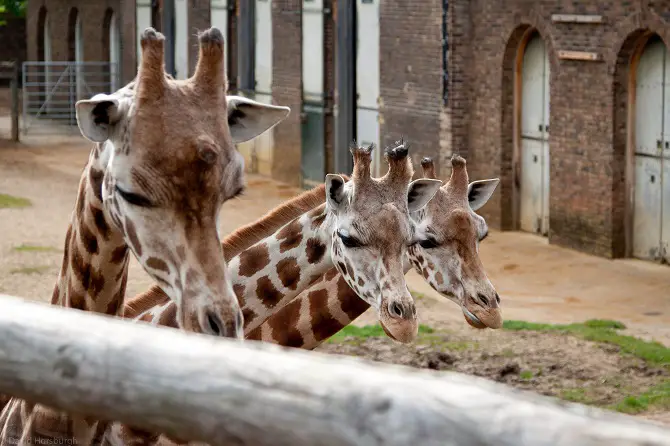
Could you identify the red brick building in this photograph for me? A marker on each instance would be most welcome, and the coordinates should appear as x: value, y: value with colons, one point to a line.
x: 567, y: 102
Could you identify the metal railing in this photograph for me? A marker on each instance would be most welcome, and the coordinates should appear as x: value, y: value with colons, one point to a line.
x: 51, y: 90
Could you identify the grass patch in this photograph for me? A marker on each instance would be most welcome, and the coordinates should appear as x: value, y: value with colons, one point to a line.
x: 605, y: 331
x: 9, y: 201
x: 369, y: 331
x: 34, y: 248
x: 526, y: 375
x: 30, y: 270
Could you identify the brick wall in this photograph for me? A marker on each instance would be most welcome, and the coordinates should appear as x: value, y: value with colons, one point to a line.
x: 587, y: 110
x: 411, y: 75
x: 287, y: 88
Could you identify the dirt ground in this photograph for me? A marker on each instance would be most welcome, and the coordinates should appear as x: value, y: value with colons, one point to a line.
x: 537, y: 282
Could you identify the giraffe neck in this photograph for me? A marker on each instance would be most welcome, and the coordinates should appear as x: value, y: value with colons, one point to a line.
x: 95, y: 260
x: 275, y: 270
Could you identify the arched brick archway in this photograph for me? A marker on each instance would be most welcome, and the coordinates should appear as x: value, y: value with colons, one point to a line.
x: 624, y: 138
x: 111, y: 47
x: 511, y: 116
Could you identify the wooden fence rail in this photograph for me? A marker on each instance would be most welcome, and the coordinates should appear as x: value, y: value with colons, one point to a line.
x: 228, y: 393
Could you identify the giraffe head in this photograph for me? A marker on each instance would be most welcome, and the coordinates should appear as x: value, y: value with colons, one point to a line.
x: 372, y: 231
x: 167, y: 158
x: 447, y: 250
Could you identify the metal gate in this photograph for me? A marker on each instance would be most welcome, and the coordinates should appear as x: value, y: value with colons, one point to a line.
x: 651, y: 225
x: 51, y: 90
x: 534, y: 202
x: 313, y: 160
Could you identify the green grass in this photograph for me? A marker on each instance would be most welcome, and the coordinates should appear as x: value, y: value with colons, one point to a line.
x: 30, y: 270
x: 526, y: 375
x: 369, y: 331
x: 605, y: 331
x: 9, y: 201
x: 34, y: 248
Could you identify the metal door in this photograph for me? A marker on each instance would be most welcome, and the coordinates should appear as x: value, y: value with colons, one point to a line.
x: 651, y: 176
x: 534, y: 194
x: 367, y: 78
x: 181, y: 35
x: 261, y: 155
x: 219, y: 18
x: 313, y: 147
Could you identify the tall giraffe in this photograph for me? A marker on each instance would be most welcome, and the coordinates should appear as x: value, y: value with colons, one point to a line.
x: 448, y: 258
x: 362, y: 231
x: 163, y: 164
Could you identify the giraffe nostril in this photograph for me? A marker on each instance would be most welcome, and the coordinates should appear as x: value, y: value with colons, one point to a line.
x: 395, y: 309
x: 483, y: 299
x: 239, y: 320
x: 497, y: 298
x: 215, y: 325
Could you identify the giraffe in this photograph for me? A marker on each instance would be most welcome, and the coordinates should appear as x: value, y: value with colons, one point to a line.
x: 362, y: 230
x: 448, y: 259
x: 163, y: 163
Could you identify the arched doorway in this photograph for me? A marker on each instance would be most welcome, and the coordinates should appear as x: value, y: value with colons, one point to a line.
x: 651, y: 152
x: 76, y: 55
x: 44, y: 55
x: 533, y: 135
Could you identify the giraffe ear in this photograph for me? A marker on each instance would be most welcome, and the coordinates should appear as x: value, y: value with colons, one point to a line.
x: 96, y: 116
x: 335, y: 193
x: 420, y: 192
x: 480, y: 191
x: 247, y: 119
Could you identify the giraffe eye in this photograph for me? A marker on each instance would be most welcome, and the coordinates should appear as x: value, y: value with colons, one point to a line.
x: 134, y: 199
x: 348, y: 241
x: 428, y: 243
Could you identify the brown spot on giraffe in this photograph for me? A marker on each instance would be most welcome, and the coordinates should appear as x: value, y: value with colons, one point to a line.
x: 323, y: 323
x: 439, y: 279
x: 425, y: 272
x: 95, y: 178
x: 254, y: 259
x: 181, y: 252
x: 100, y: 222
x: 133, y: 240
x: 249, y: 315
x: 361, y: 282
x: 158, y: 264
x: 119, y: 254
x: 76, y: 299
x: 284, y: 330
x: 290, y: 236
x: 330, y: 274
x: 289, y: 273
x: 352, y: 305
x: 318, y: 219
x: 267, y: 293
x: 343, y: 268
x: 239, y: 292
x: 88, y: 239
x: 315, y: 250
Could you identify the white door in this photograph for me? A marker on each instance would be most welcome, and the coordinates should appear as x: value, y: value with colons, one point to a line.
x: 181, y: 35
x: 263, y: 77
x: 651, y: 219
x: 534, y: 194
x: 79, y: 58
x: 219, y: 18
x: 367, y: 79
x: 142, y: 22
x: 114, y: 53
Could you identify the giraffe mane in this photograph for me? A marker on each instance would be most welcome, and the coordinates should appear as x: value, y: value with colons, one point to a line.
x: 241, y: 239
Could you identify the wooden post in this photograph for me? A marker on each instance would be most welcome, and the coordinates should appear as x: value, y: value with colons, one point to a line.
x: 224, y: 392
x: 14, y: 84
